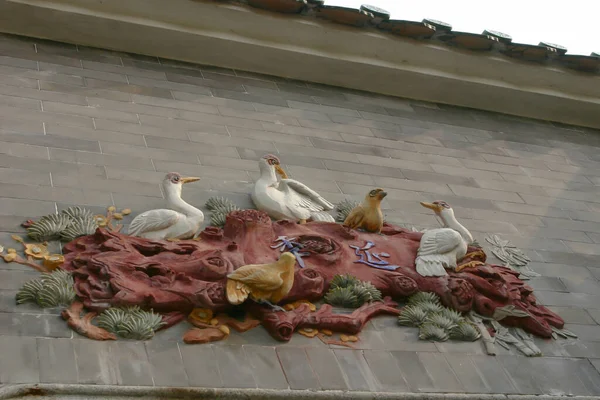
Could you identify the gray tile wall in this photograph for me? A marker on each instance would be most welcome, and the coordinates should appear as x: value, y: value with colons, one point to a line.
x: 92, y: 127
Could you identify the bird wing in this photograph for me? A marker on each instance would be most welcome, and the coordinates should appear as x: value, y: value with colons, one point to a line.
x: 305, y: 197
x: 258, y: 277
x: 354, y: 219
x: 439, y: 241
x: 153, y: 220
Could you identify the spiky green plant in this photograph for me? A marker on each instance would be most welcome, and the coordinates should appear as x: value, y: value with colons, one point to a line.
x: 130, y: 322
x: 439, y: 320
x: 218, y: 219
x: 412, y: 316
x: 364, y: 292
x: 48, y: 227
x: 78, y: 212
x: 361, y: 293
x: 452, y: 315
x: 79, y: 227
x: 216, y: 203
x: 374, y: 293
x: 432, y: 332
x: 344, y: 208
x: 423, y: 297
x: 342, y: 297
x: 219, y: 208
x: 465, y: 331
x: 344, y: 281
x: 29, y: 292
x: 430, y: 308
x: 49, y: 290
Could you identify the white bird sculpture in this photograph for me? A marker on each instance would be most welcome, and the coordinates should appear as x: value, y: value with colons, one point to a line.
x: 287, y: 198
x: 179, y: 221
x: 442, y: 248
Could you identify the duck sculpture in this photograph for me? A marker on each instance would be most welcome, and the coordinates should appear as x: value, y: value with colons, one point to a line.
x: 286, y: 198
x: 441, y: 248
x: 179, y: 220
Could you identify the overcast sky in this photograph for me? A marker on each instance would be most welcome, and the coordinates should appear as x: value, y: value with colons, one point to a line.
x: 569, y: 23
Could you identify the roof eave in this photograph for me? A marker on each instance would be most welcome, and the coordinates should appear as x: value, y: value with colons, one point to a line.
x: 240, y: 37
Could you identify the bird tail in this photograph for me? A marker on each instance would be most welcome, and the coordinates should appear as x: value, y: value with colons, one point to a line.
x: 321, y: 216
x: 430, y: 267
x: 237, y: 292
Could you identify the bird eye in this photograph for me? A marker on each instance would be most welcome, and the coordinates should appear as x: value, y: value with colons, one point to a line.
x: 372, y: 193
x: 176, y: 178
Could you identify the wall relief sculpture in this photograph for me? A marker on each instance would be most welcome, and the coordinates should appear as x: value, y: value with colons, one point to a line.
x: 307, y: 275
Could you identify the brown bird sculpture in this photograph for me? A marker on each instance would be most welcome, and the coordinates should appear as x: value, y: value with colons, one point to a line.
x: 263, y: 283
x: 367, y: 215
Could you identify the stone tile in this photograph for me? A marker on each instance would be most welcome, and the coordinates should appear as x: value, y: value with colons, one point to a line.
x: 574, y: 315
x: 20, y: 102
x: 414, y: 371
x: 233, y: 364
x: 23, y: 150
x: 493, y: 374
x: 19, y: 361
x: 547, y: 283
x: 355, y: 370
x: 394, y: 163
x: 149, y: 152
x: 158, y: 102
x: 331, y: 126
x: 285, y: 149
x: 297, y: 368
x: 78, y: 71
x: 14, y: 175
x: 468, y: 373
x: 26, y: 208
x: 8, y: 124
x: 519, y: 369
x: 51, y: 141
x: 33, y: 324
x: 268, y: 136
x: 122, y: 70
x: 350, y: 188
x: 580, y: 300
x: 291, y: 112
x: 213, y: 101
x: 250, y: 97
x: 385, y: 368
x: 96, y: 362
x: 74, y: 162
x: 90, y: 111
x: 131, y: 88
x: 166, y: 363
x: 46, y: 193
x: 357, y: 168
x: 80, y: 91
x: 266, y: 367
x: 326, y: 368
x: 13, y: 280
x: 300, y: 173
x: 302, y: 131
x: 57, y: 361
x: 132, y: 364
x: 558, y: 376
x: 323, y: 109
x: 582, y: 260
x: 200, y: 367
x: 589, y: 333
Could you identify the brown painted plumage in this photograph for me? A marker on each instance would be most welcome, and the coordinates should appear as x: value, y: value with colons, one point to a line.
x: 270, y: 282
x: 368, y: 215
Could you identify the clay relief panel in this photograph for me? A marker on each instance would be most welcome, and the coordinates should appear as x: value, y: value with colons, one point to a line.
x: 288, y: 266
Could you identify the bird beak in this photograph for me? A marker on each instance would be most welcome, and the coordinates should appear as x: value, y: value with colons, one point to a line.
x: 189, y: 179
x: 280, y: 171
x: 432, y: 206
x: 382, y: 195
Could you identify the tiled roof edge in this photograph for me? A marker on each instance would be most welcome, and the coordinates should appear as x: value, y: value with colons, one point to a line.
x: 372, y: 17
